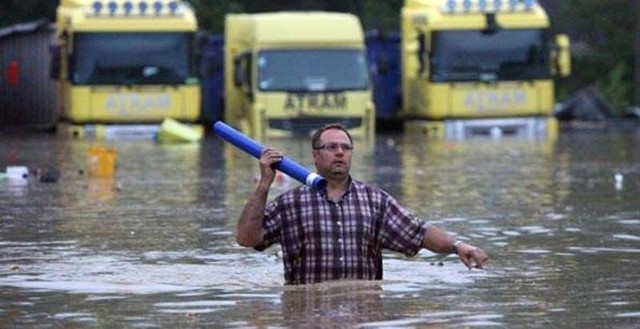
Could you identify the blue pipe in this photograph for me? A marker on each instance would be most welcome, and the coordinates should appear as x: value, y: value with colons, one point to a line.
x: 254, y: 148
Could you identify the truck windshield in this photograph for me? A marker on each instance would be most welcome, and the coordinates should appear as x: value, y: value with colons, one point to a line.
x: 500, y: 56
x: 131, y: 58
x: 312, y: 70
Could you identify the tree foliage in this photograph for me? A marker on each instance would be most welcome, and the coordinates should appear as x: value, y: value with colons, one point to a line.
x: 603, y: 52
x: 601, y: 31
x: 20, y: 11
x: 383, y: 14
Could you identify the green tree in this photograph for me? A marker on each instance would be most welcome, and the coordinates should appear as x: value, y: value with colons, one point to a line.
x: 210, y: 13
x: 373, y: 13
x: 603, y: 42
x: 603, y: 51
x: 20, y: 11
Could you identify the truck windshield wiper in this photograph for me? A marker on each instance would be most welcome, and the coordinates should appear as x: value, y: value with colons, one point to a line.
x: 479, y: 72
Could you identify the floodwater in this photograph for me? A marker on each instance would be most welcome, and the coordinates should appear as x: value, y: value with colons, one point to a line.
x: 153, y: 246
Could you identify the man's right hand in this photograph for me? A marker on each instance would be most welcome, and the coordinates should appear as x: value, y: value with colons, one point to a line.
x: 268, y: 158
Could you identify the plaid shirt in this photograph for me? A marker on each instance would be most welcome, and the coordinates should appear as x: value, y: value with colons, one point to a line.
x: 323, y: 240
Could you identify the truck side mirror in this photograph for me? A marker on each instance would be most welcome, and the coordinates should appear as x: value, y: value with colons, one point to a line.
x: 422, y: 46
x: 55, y: 53
x: 238, y: 75
x: 242, y: 73
x: 562, y: 55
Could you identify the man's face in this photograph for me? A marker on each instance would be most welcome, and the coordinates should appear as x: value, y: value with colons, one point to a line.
x: 333, y: 159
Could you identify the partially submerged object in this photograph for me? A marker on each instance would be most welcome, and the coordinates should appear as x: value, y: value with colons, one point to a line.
x: 172, y: 131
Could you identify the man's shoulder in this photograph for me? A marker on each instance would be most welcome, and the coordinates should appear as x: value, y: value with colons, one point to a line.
x: 367, y: 187
x: 362, y: 184
x: 296, y: 191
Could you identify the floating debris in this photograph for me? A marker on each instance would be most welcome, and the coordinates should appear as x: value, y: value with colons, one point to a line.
x: 619, y: 181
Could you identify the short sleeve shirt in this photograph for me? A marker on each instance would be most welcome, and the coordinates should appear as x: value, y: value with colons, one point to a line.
x: 323, y: 240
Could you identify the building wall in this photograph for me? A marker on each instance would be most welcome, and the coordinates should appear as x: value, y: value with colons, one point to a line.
x: 28, y: 98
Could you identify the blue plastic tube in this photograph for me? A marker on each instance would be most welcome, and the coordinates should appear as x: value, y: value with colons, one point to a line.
x: 254, y: 148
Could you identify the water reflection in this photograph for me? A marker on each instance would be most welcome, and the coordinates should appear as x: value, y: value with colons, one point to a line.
x: 153, y: 245
x: 343, y: 304
x: 480, y: 178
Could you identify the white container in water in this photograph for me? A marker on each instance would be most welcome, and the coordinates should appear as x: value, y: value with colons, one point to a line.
x: 18, y: 175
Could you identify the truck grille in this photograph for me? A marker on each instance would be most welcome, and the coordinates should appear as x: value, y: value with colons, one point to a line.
x: 304, y: 126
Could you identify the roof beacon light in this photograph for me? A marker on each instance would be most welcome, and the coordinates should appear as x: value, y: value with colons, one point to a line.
x: 97, y: 7
x: 497, y: 5
x: 528, y: 4
x: 137, y: 7
x: 482, y: 5
x: 173, y: 7
x: 113, y: 6
x: 157, y: 7
x: 143, y: 6
x: 128, y: 7
x: 513, y: 4
x: 466, y: 4
x: 451, y: 6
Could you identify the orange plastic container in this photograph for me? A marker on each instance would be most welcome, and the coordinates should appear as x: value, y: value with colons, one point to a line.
x: 101, y: 162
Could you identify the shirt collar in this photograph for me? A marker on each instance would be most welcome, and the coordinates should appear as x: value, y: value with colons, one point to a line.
x: 350, y: 188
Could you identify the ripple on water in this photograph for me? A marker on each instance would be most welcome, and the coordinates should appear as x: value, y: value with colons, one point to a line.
x: 120, y: 274
x: 481, y: 324
x: 94, y: 287
x: 436, y: 318
x: 483, y: 317
x: 72, y: 315
x: 511, y: 233
x: 534, y: 251
x: 195, y: 307
x: 103, y: 297
x: 595, y: 250
x: 480, y: 221
x: 536, y: 229
x: 626, y: 237
x: 85, y: 318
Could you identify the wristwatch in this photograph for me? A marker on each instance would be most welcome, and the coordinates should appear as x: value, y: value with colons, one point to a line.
x: 454, y: 249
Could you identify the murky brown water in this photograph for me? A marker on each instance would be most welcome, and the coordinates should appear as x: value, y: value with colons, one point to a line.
x: 154, y: 246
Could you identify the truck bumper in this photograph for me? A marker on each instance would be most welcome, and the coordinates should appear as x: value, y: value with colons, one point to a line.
x: 527, y: 127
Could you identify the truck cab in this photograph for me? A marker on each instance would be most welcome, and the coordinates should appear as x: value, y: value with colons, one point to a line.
x: 480, y: 66
x: 124, y: 62
x: 288, y: 73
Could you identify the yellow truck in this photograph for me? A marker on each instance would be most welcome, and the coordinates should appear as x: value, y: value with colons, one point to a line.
x: 479, y: 67
x: 287, y: 73
x: 126, y: 62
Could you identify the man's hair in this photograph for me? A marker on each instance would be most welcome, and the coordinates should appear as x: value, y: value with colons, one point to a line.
x: 315, y: 138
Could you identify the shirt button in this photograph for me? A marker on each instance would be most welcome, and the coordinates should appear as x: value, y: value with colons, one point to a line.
x: 339, y: 223
x: 342, y: 259
x: 340, y: 240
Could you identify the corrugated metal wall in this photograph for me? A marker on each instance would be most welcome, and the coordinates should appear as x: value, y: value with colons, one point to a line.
x: 28, y: 95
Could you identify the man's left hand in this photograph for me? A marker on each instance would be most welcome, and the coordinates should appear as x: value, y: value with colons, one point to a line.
x: 472, y: 257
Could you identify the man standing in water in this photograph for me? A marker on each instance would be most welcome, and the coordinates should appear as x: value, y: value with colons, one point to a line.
x: 340, y: 232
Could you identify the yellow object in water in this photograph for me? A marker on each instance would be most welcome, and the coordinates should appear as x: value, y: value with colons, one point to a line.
x: 101, y: 162
x: 172, y: 131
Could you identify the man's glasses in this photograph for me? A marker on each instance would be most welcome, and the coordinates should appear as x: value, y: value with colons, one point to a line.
x: 333, y: 147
